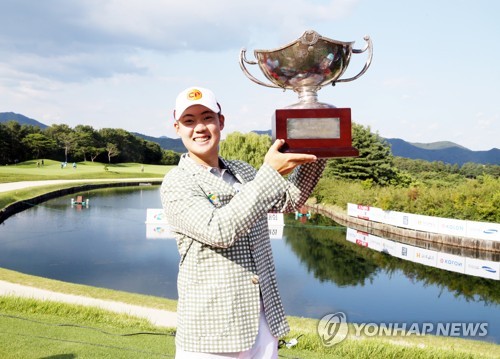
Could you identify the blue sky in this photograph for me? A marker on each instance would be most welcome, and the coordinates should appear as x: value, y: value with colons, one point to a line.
x: 435, y: 73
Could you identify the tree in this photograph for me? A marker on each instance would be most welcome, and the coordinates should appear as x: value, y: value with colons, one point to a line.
x: 152, y: 152
x: 130, y: 146
x: 112, y: 151
x: 170, y: 157
x: 12, y: 137
x: 39, y: 143
x: 64, y: 135
x: 249, y: 147
x: 374, y: 164
x: 87, y: 140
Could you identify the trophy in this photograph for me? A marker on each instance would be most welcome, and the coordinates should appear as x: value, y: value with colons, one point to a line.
x: 305, y: 66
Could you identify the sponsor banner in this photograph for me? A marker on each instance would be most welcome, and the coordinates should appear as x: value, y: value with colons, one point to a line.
x: 158, y: 231
x: 451, y: 262
x: 423, y: 223
x: 405, y: 251
x: 398, y: 219
x: 351, y: 235
x: 374, y: 243
x: 352, y: 210
x: 357, y: 237
x: 275, y: 232
x: 425, y: 256
x: 454, y: 227
x: 389, y: 247
x: 377, y: 214
x: 155, y: 216
x: 363, y: 212
x: 275, y: 219
x: 483, y: 230
x: 482, y: 268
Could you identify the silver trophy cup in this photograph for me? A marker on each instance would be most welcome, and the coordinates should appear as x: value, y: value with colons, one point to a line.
x: 305, y: 66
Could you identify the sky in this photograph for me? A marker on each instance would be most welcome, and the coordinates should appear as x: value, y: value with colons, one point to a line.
x: 435, y: 74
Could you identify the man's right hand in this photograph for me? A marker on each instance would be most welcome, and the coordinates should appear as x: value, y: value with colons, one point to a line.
x: 284, y: 163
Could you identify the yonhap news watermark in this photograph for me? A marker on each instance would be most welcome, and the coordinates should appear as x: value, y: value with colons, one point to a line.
x: 333, y: 329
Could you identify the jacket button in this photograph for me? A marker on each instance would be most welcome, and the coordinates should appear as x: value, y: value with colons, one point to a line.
x: 255, y: 279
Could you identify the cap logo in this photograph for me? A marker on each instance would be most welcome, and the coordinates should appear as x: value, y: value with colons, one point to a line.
x: 194, y: 95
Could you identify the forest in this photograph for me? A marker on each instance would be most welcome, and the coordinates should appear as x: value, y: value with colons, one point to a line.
x: 20, y: 143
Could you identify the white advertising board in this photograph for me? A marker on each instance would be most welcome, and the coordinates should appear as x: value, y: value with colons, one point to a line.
x: 483, y: 230
x: 374, y: 243
x: 405, y: 251
x: 455, y: 227
x: 275, y: 219
x: 425, y: 256
x: 155, y: 216
x: 482, y: 268
x: 158, y: 231
x: 275, y: 232
x: 451, y: 262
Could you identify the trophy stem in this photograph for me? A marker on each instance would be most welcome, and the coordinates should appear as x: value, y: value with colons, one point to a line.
x: 308, y: 94
x: 308, y: 98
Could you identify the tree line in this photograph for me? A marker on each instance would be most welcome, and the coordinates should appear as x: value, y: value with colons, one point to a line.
x: 19, y: 143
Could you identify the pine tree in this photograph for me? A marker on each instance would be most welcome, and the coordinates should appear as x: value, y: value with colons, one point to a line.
x: 374, y: 164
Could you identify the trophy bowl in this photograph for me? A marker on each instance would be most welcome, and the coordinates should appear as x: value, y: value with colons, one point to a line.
x: 301, y: 64
x: 305, y: 66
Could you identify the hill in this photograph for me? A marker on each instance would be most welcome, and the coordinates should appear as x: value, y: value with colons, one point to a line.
x: 167, y: 143
x: 447, y: 152
x: 21, y: 119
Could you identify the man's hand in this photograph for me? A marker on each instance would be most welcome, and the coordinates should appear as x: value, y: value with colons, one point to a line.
x: 284, y: 163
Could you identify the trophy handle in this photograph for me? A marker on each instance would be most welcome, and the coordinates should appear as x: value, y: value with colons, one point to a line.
x: 243, y: 59
x: 368, y: 47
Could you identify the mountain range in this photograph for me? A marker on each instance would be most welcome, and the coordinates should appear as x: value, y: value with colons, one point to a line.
x: 444, y: 151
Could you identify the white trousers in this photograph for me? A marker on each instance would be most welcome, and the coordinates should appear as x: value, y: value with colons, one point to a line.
x: 265, y: 346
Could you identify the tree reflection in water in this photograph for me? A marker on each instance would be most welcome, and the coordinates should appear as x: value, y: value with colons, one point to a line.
x: 320, y: 243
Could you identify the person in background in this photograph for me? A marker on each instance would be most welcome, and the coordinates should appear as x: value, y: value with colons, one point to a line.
x: 229, y: 305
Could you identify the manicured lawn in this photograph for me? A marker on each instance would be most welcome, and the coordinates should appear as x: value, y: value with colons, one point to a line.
x: 29, y: 171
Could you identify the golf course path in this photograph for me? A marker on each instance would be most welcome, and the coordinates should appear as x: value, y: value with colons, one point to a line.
x: 158, y: 317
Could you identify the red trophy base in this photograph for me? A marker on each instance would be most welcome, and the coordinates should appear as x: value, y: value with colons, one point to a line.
x: 324, y: 132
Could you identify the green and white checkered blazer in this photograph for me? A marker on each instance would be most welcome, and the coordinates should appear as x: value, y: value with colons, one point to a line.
x: 226, y: 261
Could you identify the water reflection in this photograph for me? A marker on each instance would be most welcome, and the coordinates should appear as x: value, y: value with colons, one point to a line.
x: 363, y: 256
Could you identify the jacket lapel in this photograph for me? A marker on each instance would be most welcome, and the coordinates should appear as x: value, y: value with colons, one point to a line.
x: 214, y: 187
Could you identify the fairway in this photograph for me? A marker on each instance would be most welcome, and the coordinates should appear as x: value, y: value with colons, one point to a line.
x: 33, y: 171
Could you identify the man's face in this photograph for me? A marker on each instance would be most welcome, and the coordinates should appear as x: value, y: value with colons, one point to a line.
x: 199, y: 128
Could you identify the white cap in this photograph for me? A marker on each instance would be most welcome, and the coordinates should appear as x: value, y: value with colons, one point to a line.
x: 195, y: 96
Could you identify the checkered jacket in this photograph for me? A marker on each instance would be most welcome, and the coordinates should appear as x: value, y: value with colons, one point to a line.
x: 226, y: 261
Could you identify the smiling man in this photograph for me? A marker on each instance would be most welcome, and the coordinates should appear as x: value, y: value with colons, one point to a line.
x: 229, y: 305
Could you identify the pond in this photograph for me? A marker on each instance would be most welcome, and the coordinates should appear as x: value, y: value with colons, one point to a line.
x: 320, y: 271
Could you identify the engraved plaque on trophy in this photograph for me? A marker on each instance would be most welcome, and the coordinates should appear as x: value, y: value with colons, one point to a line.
x: 305, y: 66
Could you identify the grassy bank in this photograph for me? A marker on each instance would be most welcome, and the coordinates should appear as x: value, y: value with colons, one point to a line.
x: 31, y: 327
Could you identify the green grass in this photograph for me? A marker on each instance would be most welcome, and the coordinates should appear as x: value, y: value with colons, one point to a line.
x: 42, y: 329
x: 36, y: 329
x: 22, y: 338
x: 28, y: 171
x: 87, y: 291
